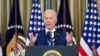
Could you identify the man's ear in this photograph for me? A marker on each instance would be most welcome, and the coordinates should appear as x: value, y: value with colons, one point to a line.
x: 56, y: 21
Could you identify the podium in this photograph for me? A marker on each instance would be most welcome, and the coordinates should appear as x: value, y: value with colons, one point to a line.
x: 51, y: 51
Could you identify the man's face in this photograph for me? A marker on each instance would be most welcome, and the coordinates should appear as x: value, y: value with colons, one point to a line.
x: 49, y: 20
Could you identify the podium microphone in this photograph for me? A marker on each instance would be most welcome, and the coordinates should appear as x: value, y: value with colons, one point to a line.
x: 52, y: 40
x: 55, y: 35
x: 48, y: 35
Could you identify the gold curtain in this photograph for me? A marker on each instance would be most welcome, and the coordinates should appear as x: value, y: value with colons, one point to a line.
x: 77, y: 10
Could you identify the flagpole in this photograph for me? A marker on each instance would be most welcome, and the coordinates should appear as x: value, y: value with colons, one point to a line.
x: 93, y: 19
x: 16, y: 2
x: 36, y: 19
x: 94, y: 51
x: 64, y: 17
x: 15, y: 18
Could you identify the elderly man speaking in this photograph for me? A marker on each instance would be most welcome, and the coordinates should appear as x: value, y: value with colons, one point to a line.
x: 50, y: 36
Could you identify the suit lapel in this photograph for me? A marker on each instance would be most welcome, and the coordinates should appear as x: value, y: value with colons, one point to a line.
x: 44, y: 38
x: 57, y: 40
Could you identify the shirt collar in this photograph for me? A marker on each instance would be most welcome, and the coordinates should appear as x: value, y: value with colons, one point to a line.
x: 53, y: 30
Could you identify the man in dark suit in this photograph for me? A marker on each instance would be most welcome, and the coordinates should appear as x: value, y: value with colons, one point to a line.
x: 43, y: 37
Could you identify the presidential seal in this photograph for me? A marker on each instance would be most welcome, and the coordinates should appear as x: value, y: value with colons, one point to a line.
x: 52, y: 53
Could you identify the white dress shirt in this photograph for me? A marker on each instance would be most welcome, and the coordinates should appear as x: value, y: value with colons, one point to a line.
x: 53, y: 30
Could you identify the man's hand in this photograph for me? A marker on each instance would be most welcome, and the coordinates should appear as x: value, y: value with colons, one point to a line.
x: 33, y: 39
x: 69, y: 37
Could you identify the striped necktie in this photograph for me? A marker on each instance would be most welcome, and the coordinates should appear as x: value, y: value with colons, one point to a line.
x: 50, y: 42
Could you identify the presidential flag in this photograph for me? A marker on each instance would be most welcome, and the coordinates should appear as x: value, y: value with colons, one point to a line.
x: 90, y: 39
x: 13, y: 30
x: 64, y: 19
x: 0, y: 45
x: 35, y: 23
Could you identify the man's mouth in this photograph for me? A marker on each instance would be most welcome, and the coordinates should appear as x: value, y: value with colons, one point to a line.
x: 48, y: 24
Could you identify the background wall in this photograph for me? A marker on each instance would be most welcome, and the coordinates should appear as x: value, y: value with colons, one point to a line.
x: 77, y: 10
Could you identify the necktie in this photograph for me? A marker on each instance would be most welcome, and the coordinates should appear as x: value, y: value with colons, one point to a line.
x: 50, y: 42
x: 51, y: 35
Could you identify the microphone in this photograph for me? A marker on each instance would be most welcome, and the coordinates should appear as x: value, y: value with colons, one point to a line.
x: 52, y: 40
x: 48, y: 35
x: 55, y: 35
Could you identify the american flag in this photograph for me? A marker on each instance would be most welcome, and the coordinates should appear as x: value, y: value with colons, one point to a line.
x: 90, y: 40
x: 35, y: 23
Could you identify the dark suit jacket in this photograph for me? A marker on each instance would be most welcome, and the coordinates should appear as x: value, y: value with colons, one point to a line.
x: 42, y: 40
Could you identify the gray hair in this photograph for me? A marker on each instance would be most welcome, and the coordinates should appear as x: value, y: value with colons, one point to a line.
x: 51, y: 10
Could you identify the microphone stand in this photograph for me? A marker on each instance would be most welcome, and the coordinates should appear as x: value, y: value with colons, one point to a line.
x: 55, y: 37
x: 53, y: 41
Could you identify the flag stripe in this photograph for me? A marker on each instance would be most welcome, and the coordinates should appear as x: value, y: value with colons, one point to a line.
x: 0, y: 51
x: 98, y: 51
x: 85, y: 47
x: 82, y: 51
x: 0, y: 45
x: 80, y: 54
